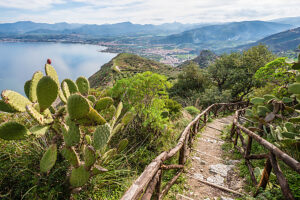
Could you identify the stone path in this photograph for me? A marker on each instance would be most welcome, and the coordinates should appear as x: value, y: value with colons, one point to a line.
x: 209, y: 164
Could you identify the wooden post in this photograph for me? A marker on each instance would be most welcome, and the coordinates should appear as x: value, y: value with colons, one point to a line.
x: 182, y: 153
x: 232, y: 131
x: 157, y: 187
x: 236, y: 137
x: 281, y: 179
x: 247, y: 153
x: 265, y: 176
x: 152, y: 186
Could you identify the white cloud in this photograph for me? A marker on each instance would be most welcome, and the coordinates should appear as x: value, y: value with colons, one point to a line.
x: 151, y: 11
x: 29, y: 4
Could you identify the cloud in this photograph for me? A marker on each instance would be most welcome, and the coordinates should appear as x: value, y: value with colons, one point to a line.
x: 146, y: 11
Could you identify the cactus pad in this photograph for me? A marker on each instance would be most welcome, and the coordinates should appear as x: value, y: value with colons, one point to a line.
x: 127, y: 118
x: 96, y: 117
x: 39, y: 130
x: 15, y: 100
x: 83, y: 85
x: 78, y: 106
x: 32, y: 90
x: 257, y: 100
x: 35, y: 114
x: 89, y: 157
x: 122, y: 145
x: 65, y: 89
x: 27, y: 86
x: 79, y: 176
x: 101, y: 136
x: 72, y: 136
x: 294, y: 88
x: 4, y: 107
x: 117, y: 128
x: 88, y: 139
x: 13, y: 131
x: 49, y: 158
x: 108, y: 113
x: 72, y: 86
x: 103, y: 103
x: 50, y: 71
x: 70, y: 155
x: 47, y: 91
x: 262, y: 111
x: 92, y: 98
x: 268, y: 97
x: 62, y: 96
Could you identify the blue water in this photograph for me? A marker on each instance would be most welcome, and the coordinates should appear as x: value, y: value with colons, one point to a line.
x: 18, y: 61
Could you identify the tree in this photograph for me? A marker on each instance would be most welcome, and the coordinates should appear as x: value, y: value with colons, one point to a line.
x: 235, y: 71
x: 190, y: 82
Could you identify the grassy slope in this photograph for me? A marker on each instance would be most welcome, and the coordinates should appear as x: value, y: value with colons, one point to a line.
x: 129, y: 64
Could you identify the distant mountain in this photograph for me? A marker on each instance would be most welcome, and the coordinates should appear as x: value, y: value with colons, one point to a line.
x: 237, y: 31
x: 205, y: 58
x: 28, y: 26
x: 295, y: 21
x: 283, y: 41
x: 126, y: 65
x: 104, y: 30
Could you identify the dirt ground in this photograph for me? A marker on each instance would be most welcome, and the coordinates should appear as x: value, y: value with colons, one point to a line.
x: 208, y: 164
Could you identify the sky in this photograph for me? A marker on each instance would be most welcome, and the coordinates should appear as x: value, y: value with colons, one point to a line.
x: 145, y: 11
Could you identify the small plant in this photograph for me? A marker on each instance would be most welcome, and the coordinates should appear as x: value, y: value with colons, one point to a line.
x: 192, y: 110
x: 79, y: 127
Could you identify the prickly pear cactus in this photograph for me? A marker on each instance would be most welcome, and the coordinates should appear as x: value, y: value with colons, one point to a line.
x: 75, y: 128
x: 278, y: 118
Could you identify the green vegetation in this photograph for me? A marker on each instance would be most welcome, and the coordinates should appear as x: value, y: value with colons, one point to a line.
x: 229, y: 78
x: 73, y: 132
x: 127, y: 65
x: 67, y: 140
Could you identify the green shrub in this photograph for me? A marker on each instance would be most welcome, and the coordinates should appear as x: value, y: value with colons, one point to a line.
x: 192, y: 110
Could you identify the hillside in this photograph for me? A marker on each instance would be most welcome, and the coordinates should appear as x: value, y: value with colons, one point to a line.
x: 205, y: 58
x: 125, y: 65
x: 236, y: 31
x: 283, y: 41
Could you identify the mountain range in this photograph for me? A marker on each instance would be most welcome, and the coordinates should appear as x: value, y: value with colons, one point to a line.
x: 283, y: 41
x: 279, y: 34
x: 237, y: 31
x: 104, y: 30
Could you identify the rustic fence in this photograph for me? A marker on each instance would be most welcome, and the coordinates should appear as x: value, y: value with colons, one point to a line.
x: 271, y: 157
x: 148, y: 184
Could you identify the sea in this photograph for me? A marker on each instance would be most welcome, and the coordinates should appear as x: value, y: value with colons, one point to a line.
x: 19, y: 60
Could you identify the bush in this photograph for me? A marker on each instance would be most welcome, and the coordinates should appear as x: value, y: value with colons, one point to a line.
x: 173, y: 107
x: 192, y: 110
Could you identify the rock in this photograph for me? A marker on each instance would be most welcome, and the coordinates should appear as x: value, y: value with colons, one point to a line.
x: 198, y: 176
x: 220, y: 169
x: 226, y: 198
x: 202, y: 162
x: 201, y: 170
x: 233, y: 162
x: 217, y: 179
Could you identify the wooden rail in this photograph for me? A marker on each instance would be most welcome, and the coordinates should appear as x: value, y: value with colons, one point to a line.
x: 148, y: 184
x: 271, y: 158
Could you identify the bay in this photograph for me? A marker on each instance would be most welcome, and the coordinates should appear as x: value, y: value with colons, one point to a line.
x: 18, y: 61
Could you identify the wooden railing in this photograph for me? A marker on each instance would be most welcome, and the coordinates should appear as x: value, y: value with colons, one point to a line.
x: 271, y: 157
x: 148, y: 184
